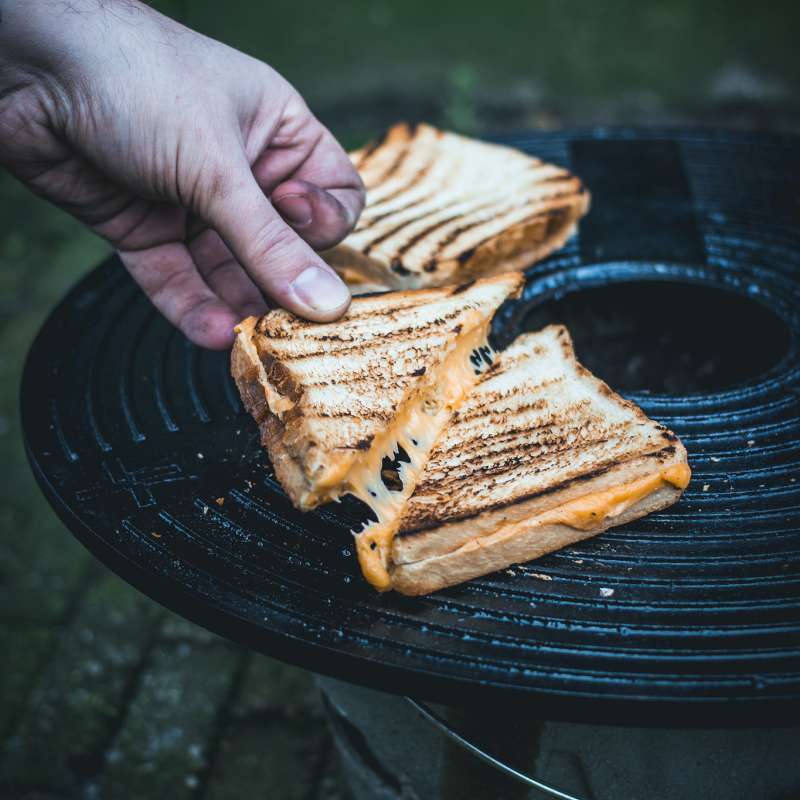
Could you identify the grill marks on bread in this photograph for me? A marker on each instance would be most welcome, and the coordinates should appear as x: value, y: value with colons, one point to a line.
x: 435, y: 199
x: 348, y: 379
x: 536, y: 422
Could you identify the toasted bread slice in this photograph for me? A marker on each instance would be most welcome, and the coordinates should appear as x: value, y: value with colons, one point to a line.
x: 541, y: 454
x: 443, y: 208
x: 334, y: 400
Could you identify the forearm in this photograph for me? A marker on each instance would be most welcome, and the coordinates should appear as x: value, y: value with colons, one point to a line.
x: 61, y: 41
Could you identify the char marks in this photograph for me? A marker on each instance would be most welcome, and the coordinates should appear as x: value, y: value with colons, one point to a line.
x: 397, y: 164
x: 535, y: 422
x: 434, y: 199
x: 344, y: 382
x: 413, y: 182
x: 457, y: 227
x: 412, y: 336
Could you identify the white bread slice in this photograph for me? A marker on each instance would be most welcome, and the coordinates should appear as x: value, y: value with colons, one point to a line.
x: 334, y: 400
x: 443, y: 208
x: 540, y: 455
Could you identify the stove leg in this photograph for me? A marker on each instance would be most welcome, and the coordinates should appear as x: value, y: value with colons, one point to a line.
x: 385, y: 753
x: 394, y: 749
x: 463, y: 775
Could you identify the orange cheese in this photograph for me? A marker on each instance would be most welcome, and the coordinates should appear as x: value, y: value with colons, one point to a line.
x: 588, y: 511
x: 592, y: 509
x: 415, y: 429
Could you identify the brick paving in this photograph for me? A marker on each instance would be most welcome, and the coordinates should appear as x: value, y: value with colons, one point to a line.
x: 103, y: 693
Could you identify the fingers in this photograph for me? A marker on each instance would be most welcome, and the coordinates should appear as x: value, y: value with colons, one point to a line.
x: 274, y: 256
x: 317, y: 215
x: 324, y: 196
x: 224, y: 275
x: 168, y: 276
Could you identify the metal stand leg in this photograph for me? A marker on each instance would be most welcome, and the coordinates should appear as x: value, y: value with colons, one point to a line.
x: 472, y: 771
x: 466, y: 772
x: 401, y: 749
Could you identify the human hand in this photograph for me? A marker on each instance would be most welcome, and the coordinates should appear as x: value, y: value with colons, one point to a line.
x: 202, y: 166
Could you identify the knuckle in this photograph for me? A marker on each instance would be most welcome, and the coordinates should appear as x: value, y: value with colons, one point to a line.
x: 220, y: 272
x: 167, y: 283
x: 211, y: 186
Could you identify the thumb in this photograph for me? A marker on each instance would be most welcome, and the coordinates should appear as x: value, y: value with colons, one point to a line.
x: 274, y: 256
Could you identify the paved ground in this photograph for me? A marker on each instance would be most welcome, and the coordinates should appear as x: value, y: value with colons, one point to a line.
x: 104, y: 694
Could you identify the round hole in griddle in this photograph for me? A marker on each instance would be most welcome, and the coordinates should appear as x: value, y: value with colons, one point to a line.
x: 668, y: 338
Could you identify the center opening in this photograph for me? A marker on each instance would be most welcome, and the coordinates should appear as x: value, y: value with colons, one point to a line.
x: 667, y: 338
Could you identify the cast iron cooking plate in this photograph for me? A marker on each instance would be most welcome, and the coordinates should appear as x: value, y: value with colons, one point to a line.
x: 140, y: 443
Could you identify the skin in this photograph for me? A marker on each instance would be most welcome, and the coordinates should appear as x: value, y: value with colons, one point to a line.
x: 202, y: 166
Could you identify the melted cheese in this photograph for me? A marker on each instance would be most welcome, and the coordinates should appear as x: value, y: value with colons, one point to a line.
x: 593, y: 509
x: 586, y: 512
x: 415, y: 429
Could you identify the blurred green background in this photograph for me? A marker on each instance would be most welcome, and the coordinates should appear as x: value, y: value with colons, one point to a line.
x: 510, y: 63
x: 102, y: 694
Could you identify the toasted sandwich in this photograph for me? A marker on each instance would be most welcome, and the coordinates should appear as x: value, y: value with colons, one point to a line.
x: 540, y: 455
x: 337, y: 402
x: 443, y: 209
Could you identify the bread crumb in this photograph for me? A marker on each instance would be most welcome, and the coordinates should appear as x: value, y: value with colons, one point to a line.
x: 155, y: 535
x: 715, y: 459
x: 205, y: 509
x: 751, y: 442
x: 540, y: 576
x: 606, y: 592
x: 200, y: 455
x: 220, y: 501
x: 706, y: 487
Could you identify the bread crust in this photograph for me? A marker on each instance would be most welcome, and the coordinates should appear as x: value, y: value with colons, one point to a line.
x: 250, y: 377
x: 436, y: 572
x: 415, y: 545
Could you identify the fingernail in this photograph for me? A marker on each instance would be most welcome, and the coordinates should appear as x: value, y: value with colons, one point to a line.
x: 320, y: 289
x: 295, y: 208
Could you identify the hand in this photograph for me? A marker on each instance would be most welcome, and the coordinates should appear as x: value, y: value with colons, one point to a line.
x: 202, y: 166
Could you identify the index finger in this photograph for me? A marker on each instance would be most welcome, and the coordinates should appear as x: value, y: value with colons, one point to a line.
x: 309, y: 153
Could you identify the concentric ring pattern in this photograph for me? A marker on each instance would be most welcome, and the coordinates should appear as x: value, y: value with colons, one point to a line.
x: 140, y: 443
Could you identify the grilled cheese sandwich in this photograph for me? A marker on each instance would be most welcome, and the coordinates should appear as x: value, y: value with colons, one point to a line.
x: 540, y: 455
x: 443, y: 209
x: 334, y: 401
x: 470, y: 460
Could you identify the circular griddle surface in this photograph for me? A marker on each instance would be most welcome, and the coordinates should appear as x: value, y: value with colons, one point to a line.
x: 691, y: 615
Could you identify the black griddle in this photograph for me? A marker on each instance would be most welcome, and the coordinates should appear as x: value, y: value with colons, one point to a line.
x: 689, y: 262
